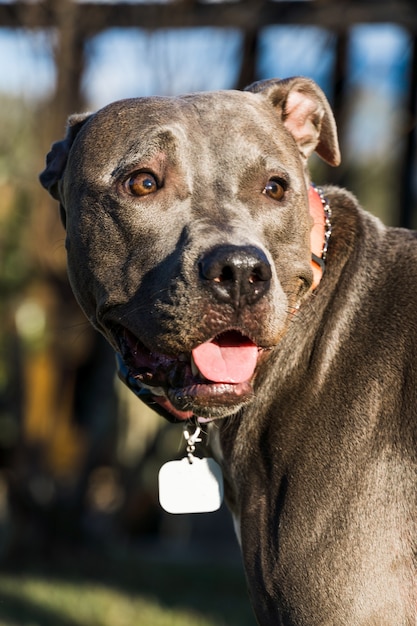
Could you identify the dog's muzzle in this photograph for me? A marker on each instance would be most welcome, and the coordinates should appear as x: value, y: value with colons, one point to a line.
x: 216, y: 380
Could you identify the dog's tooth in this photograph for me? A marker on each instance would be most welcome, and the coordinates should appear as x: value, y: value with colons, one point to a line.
x: 196, y: 372
x: 194, y: 368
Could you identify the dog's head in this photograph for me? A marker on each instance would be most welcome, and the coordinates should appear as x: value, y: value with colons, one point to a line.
x: 188, y: 233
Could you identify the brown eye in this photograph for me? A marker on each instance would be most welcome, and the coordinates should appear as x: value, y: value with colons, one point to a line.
x: 274, y: 189
x: 141, y: 184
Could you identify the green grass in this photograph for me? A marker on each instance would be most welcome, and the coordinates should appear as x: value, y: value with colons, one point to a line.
x: 34, y: 601
x: 102, y: 592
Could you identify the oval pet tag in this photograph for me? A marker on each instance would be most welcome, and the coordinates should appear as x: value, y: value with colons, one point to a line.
x: 194, y: 486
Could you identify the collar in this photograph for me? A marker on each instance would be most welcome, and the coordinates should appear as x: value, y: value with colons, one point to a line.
x: 320, y: 232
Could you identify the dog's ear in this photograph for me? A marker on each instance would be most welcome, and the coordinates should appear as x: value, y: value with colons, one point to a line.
x: 56, y: 160
x: 306, y: 113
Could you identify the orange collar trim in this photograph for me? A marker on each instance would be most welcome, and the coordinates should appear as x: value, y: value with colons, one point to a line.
x: 320, y: 232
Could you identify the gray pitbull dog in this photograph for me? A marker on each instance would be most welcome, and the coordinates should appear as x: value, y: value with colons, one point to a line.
x: 190, y: 231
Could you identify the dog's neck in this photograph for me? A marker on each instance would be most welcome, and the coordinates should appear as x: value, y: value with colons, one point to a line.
x: 320, y: 232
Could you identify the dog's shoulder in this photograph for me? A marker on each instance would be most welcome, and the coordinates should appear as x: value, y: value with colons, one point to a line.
x: 360, y: 238
x: 370, y: 281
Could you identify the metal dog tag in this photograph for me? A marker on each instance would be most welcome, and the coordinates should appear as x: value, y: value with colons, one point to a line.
x: 191, y: 487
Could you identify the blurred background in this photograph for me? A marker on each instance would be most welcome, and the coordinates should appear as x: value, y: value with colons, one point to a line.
x: 83, y: 540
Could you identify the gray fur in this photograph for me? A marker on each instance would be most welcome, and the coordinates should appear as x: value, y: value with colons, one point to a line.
x: 320, y: 459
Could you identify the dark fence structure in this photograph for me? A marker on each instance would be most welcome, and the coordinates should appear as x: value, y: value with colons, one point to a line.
x: 76, y: 23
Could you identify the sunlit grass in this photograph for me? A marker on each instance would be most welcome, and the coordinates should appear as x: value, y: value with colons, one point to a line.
x: 132, y: 592
x: 40, y: 602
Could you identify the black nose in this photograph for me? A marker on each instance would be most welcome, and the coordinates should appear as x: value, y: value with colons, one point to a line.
x: 237, y: 275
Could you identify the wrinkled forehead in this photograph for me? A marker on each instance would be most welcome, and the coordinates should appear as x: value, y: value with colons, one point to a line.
x: 210, y: 109
x: 235, y: 123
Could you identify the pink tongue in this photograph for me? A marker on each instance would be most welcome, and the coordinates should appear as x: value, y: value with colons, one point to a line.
x: 226, y: 361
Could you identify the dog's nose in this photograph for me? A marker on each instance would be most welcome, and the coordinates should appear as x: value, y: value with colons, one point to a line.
x: 237, y: 275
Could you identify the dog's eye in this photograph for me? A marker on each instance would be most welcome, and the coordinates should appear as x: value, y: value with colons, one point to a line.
x: 274, y: 189
x: 141, y: 184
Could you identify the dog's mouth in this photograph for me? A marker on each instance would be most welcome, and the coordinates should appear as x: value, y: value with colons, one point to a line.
x: 215, y: 380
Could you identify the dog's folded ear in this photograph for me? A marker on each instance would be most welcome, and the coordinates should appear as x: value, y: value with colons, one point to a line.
x: 306, y: 113
x: 56, y: 160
